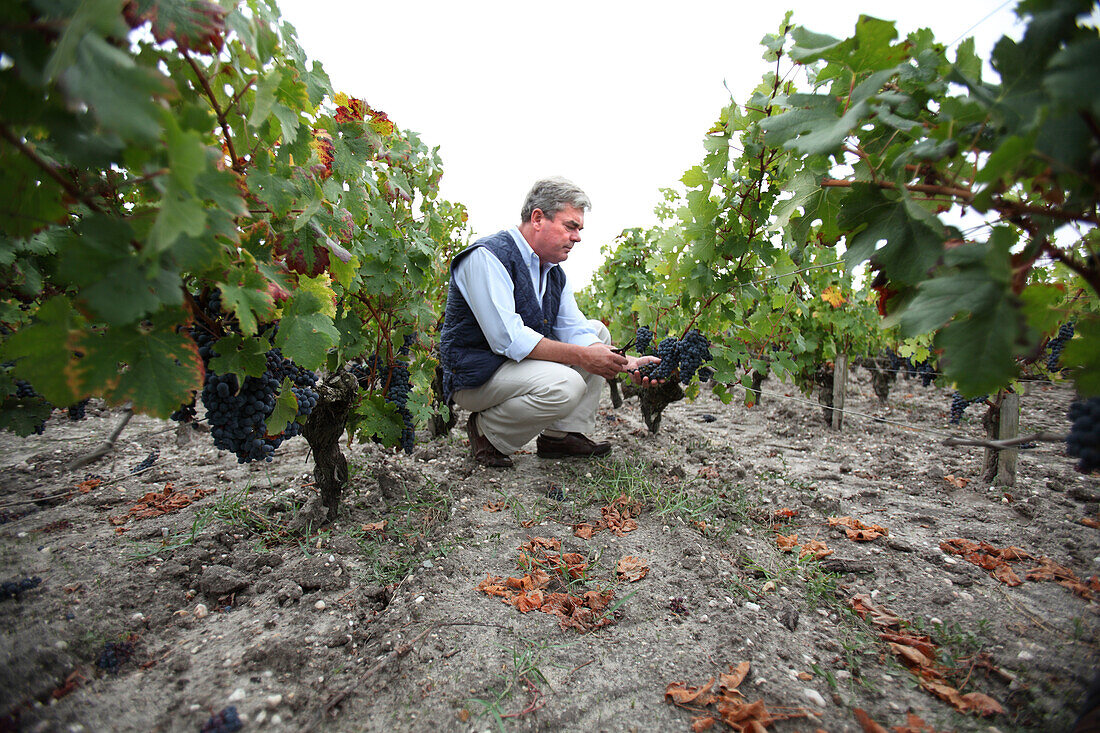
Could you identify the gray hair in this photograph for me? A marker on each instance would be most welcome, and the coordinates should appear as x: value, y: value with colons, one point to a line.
x: 551, y: 195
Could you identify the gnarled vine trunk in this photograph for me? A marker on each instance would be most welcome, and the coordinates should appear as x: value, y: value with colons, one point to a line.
x: 336, y: 394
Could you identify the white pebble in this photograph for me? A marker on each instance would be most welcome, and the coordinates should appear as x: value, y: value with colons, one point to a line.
x: 704, y: 619
x: 261, y: 716
x: 752, y: 606
x: 935, y: 621
x: 201, y: 611
x: 238, y: 695
x: 139, y: 616
x: 319, y: 605
x: 1025, y: 655
x: 419, y: 599
x: 813, y: 696
x: 273, y: 701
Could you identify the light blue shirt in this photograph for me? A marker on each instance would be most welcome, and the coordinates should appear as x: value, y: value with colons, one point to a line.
x: 490, y: 293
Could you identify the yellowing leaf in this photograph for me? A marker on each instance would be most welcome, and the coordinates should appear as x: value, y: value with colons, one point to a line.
x: 833, y: 296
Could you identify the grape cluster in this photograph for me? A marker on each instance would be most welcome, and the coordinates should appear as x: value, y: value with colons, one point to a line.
x: 959, y: 405
x: 368, y: 372
x: 1058, y: 343
x: 79, y: 410
x: 398, y: 388
x: 227, y: 721
x: 925, y: 370
x: 1083, y: 441
x: 185, y: 413
x: 238, y: 412
x: 146, y: 462
x: 686, y: 355
x: 114, y: 655
x: 15, y: 588
x: 642, y: 339
x: 694, y: 350
x: 24, y: 391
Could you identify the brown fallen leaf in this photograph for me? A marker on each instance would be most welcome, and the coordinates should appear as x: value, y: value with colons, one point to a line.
x: 815, y: 549
x: 632, y: 568
x: 785, y: 513
x: 1090, y: 522
x: 729, y: 681
x: 956, y: 481
x: 374, y: 527
x: 857, y: 530
x: 702, y: 723
x: 786, y: 543
x: 585, y: 530
x: 494, y: 506
x: 681, y: 694
x: 867, y: 723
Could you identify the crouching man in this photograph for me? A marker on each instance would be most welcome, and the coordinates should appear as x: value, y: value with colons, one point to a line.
x: 516, y: 351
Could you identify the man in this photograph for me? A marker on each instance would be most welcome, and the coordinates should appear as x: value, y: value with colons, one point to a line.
x: 516, y: 351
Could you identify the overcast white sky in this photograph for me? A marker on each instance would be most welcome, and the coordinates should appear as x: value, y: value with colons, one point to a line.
x: 613, y: 95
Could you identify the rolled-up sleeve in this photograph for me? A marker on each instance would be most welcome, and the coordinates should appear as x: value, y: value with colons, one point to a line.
x: 571, y: 326
x: 488, y: 290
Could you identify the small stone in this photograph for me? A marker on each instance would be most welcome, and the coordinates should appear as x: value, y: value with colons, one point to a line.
x: 238, y: 695
x: 273, y: 701
x: 752, y: 606
x: 704, y: 619
x: 319, y: 605
x: 1025, y: 655
x: 813, y: 696
x: 419, y: 599
x: 201, y: 611
x: 139, y: 616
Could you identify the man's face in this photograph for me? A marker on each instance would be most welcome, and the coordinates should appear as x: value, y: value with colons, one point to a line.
x: 554, y: 238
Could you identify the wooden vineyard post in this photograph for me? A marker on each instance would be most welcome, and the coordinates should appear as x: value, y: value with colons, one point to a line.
x: 1000, y: 463
x: 840, y: 384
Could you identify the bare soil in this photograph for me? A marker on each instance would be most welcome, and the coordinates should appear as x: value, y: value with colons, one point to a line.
x: 235, y: 599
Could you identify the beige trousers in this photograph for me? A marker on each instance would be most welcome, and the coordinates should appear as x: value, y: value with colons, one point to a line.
x: 522, y: 399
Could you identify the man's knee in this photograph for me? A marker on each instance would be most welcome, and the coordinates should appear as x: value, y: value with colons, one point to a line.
x: 601, y: 330
x: 561, y: 392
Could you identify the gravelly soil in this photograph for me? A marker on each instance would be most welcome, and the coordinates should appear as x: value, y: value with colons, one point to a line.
x: 351, y: 628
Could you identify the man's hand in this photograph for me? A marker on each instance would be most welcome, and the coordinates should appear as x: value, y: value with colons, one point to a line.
x: 603, y: 360
x: 632, y: 365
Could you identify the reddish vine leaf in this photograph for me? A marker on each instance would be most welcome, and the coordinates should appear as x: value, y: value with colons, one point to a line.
x: 194, y: 25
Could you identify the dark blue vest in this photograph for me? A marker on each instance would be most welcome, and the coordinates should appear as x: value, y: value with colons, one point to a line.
x: 464, y: 352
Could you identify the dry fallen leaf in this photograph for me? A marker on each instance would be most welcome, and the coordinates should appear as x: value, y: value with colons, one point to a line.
x: 632, y: 568
x: 786, y: 543
x: 957, y: 481
x: 857, y: 530
x: 494, y: 506
x: 815, y: 549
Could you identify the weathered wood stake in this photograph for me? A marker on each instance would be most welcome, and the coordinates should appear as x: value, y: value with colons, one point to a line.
x: 840, y: 385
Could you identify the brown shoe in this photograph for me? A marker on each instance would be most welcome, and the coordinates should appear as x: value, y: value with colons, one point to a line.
x: 484, y: 452
x: 571, y: 445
